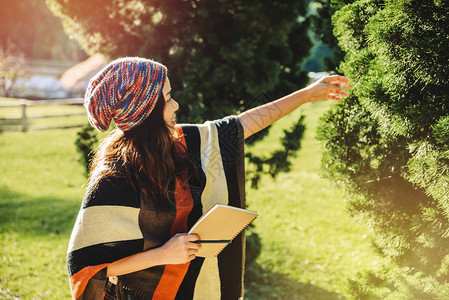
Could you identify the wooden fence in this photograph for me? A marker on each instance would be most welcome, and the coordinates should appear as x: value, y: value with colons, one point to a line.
x: 24, y: 118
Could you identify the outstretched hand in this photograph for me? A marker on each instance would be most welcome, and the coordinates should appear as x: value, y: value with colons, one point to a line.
x: 329, y: 87
x: 259, y: 117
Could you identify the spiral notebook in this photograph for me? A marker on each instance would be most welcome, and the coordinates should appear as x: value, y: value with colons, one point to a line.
x: 219, y: 226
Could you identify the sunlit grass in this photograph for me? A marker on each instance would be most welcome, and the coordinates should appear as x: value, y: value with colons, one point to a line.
x: 40, y: 193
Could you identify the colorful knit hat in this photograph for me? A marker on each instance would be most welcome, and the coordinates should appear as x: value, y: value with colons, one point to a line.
x: 125, y: 91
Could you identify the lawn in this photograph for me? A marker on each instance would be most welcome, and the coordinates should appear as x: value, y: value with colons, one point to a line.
x: 40, y: 193
x: 310, y: 246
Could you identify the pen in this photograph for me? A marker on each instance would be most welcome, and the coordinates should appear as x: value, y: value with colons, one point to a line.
x: 211, y: 241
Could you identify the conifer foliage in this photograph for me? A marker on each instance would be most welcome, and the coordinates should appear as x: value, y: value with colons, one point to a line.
x: 388, y: 144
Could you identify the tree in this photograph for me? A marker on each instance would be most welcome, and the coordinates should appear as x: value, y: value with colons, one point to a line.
x: 34, y: 31
x: 322, y: 28
x: 11, y: 69
x: 220, y: 54
x: 388, y: 144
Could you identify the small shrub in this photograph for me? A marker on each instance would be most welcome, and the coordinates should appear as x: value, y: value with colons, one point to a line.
x: 85, y: 143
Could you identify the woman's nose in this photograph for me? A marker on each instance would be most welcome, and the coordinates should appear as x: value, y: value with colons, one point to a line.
x: 176, y: 104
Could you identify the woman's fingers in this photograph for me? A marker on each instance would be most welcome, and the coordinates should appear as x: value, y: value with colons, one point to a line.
x: 189, y: 242
x: 340, y: 92
x: 341, y: 86
x: 335, y: 88
x: 195, y: 246
x: 338, y: 86
x: 334, y: 97
x: 180, y: 249
x: 192, y: 237
x: 193, y: 250
x: 336, y: 79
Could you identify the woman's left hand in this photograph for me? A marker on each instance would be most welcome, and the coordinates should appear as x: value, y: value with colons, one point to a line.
x: 329, y: 87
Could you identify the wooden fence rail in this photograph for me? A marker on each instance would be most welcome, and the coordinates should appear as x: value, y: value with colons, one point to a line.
x: 24, y: 104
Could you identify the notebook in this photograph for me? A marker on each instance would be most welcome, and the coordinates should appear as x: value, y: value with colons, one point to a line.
x: 219, y: 226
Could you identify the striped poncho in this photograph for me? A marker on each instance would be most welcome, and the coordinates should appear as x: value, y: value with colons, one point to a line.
x: 112, y: 225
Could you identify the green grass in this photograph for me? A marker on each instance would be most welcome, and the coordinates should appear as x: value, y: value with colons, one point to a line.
x: 40, y: 193
x: 310, y: 246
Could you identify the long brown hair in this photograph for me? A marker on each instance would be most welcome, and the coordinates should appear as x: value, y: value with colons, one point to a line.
x: 147, y: 155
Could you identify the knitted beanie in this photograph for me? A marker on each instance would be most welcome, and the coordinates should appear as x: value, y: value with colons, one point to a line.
x: 125, y: 91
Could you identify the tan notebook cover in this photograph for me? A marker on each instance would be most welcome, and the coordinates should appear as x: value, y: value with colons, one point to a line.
x: 219, y: 226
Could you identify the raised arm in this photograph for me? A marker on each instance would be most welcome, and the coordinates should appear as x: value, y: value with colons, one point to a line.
x: 262, y: 116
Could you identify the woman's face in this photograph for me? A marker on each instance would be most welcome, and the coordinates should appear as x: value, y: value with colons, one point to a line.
x: 171, y: 106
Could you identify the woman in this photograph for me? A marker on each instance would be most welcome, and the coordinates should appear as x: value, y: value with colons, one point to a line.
x: 151, y: 179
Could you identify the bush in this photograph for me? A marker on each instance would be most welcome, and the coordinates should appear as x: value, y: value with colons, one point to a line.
x: 388, y: 144
x: 86, y: 142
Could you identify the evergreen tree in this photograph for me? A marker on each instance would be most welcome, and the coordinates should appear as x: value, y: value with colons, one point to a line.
x: 388, y: 144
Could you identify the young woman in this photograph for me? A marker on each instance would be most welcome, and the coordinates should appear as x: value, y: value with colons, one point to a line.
x: 151, y: 179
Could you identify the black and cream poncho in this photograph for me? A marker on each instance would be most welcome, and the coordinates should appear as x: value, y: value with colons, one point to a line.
x: 112, y: 224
